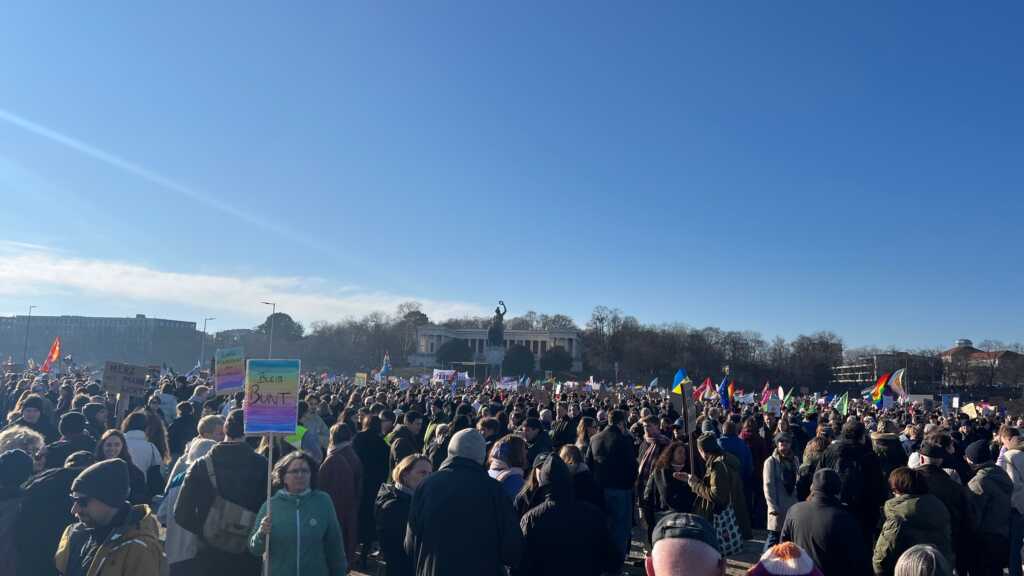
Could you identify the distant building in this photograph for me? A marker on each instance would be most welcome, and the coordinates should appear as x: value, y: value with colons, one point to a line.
x: 921, y: 372
x: 430, y: 338
x: 91, y: 340
x: 965, y: 365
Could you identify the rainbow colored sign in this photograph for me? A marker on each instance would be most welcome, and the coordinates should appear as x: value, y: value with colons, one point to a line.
x: 229, y: 376
x: 271, y: 396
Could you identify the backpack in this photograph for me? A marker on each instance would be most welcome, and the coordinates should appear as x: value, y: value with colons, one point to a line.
x: 228, y: 525
x: 852, y: 475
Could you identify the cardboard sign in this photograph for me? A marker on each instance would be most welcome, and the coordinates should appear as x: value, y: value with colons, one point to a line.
x: 271, y: 396
x: 229, y: 376
x: 127, y: 379
x: 361, y: 378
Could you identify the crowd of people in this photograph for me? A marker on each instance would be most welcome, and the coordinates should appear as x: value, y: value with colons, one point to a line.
x: 435, y: 480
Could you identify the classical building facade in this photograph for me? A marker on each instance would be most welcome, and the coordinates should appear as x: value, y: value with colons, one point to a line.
x: 965, y: 365
x: 430, y: 338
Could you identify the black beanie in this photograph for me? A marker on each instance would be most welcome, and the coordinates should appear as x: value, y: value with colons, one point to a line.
x: 826, y: 481
x: 71, y: 423
x: 80, y: 459
x: 978, y: 452
x: 15, y: 468
x: 709, y: 444
x: 33, y: 401
x: 106, y: 481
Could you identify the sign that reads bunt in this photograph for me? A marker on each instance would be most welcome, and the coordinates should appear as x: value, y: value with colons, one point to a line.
x: 271, y: 396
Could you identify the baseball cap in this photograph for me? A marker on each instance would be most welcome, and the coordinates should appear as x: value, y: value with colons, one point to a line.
x: 688, y: 526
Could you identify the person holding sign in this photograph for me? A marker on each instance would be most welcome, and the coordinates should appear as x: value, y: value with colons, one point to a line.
x: 304, y: 534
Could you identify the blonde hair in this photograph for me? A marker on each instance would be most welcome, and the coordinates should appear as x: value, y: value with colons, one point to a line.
x: 406, y: 464
x: 209, y: 425
x: 21, y: 438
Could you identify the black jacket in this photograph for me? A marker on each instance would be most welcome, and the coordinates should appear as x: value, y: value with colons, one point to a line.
x: 180, y: 433
x: 403, y: 443
x: 664, y: 493
x: 45, y: 513
x: 242, y: 479
x: 392, y: 514
x: 461, y: 523
x: 956, y: 498
x: 584, y: 487
x: 541, y: 444
x: 830, y: 534
x: 889, y: 450
x: 612, y: 459
x: 563, y: 535
x: 564, y: 431
x: 59, y: 451
x: 872, y: 488
x: 374, y: 453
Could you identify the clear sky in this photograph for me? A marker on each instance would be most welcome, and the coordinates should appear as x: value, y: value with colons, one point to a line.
x: 784, y: 167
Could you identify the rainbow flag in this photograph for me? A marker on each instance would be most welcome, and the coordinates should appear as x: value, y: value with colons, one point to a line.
x: 876, y: 392
x: 896, y: 383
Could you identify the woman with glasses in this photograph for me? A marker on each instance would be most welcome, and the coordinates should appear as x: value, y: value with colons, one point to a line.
x: 301, y: 524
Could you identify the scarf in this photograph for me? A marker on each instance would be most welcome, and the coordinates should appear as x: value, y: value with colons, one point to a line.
x: 788, y: 471
x: 500, y: 470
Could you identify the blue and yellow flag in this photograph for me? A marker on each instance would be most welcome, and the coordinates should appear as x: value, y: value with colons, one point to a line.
x: 680, y: 381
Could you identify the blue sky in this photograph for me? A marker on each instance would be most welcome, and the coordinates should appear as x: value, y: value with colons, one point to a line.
x: 782, y: 167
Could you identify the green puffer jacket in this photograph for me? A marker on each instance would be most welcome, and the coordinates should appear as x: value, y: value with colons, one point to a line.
x: 912, y: 520
x: 305, y: 538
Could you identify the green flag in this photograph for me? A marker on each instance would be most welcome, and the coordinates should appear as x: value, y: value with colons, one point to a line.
x: 788, y: 400
x: 844, y: 403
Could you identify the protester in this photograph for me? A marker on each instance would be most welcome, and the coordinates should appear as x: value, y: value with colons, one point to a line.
x: 537, y: 440
x: 300, y: 524
x: 583, y: 485
x: 923, y: 560
x: 15, y: 468
x: 32, y: 416
x: 508, y: 463
x: 373, y: 452
x: 811, y: 460
x: 956, y: 499
x: 404, y: 440
x: 993, y: 490
x: 45, y: 513
x: 721, y: 486
x: 144, y: 454
x: 181, y: 545
x: 232, y: 479
x: 562, y: 535
x: 341, y: 477
x: 114, y: 445
x: 73, y: 438
x: 585, y: 430
x: 96, y: 418
x: 612, y: 458
x: 460, y: 521
x: 684, y: 545
x: 779, y: 486
x: 28, y: 441
x: 829, y: 533
x: 392, y: 512
x: 182, y: 429
x: 112, y: 537
x: 1013, y: 464
x: 666, y: 491
x: 314, y: 423
x: 887, y: 446
x: 912, y: 516
x: 863, y: 484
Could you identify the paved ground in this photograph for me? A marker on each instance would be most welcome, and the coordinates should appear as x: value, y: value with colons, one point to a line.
x: 738, y: 564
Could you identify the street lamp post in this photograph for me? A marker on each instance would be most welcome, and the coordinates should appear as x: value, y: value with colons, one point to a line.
x: 273, y: 313
x: 202, y: 346
x: 28, y: 324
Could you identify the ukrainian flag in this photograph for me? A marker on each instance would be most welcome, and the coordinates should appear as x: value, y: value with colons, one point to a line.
x: 680, y: 381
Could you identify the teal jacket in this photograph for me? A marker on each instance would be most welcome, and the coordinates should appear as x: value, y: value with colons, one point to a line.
x: 305, y: 538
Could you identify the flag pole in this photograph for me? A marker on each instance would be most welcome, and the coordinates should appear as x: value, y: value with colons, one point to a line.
x: 270, y: 482
x: 689, y: 433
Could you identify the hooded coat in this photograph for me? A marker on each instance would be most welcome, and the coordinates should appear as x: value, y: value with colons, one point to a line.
x: 993, y: 490
x: 131, y: 549
x: 911, y: 520
x: 45, y: 513
x: 563, y: 535
x: 461, y: 523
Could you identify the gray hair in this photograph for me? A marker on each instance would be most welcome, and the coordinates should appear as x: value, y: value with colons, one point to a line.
x: 923, y: 560
x: 21, y: 438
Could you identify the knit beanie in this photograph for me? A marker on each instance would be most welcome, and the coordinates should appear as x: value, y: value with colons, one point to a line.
x: 106, y: 481
x: 708, y: 443
x: 469, y: 444
x: 978, y: 452
x: 71, y: 423
x: 91, y: 409
x: 826, y: 481
x: 80, y: 459
x: 786, y: 559
x: 33, y: 401
x: 15, y: 468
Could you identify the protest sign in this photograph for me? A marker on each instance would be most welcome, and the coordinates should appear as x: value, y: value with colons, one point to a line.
x: 970, y: 409
x: 127, y: 379
x: 271, y: 396
x: 229, y: 375
x: 774, y: 406
x: 361, y: 378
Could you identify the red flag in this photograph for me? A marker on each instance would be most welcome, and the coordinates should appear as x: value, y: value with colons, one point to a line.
x: 700, y: 390
x: 53, y: 356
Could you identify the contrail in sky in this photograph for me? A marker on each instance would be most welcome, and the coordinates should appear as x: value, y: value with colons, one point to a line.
x: 152, y: 177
